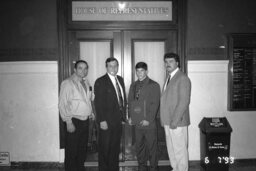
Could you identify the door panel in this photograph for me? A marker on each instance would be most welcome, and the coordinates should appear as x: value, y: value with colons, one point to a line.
x: 152, y: 53
x: 89, y: 51
x: 129, y: 47
x: 147, y: 46
x: 92, y: 46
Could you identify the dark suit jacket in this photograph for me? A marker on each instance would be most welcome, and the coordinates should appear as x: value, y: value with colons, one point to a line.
x: 174, y: 108
x: 150, y: 93
x: 106, y: 102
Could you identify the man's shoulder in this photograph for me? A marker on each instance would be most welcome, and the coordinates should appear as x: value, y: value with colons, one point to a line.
x: 67, y: 84
x: 119, y: 77
x: 133, y: 83
x: 67, y: 81
x: 153, y: 83
x: 102, y: 78
x: 183, y: 76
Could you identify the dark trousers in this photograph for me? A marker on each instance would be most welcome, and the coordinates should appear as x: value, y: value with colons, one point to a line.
x: 109, y: 148
x: 76, y: 146
x: 146, y: 148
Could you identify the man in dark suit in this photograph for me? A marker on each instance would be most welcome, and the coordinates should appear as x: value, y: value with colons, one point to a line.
x: 110, y: 105
x: 174, y: 112
x: 147, y: 91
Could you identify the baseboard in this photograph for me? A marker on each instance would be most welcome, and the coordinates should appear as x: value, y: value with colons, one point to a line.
x: 244, y: 162
x: 36, y: 165
x: 192, y: 164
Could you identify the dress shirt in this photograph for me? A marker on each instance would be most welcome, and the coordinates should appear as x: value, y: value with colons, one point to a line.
x: 138, y: 85
x: 173, y: 73
x: 113, y: 80
x: 170, y: 76
x: 74, y: 101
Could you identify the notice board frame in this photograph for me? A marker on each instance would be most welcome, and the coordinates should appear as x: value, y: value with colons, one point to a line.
x: 242, y: 72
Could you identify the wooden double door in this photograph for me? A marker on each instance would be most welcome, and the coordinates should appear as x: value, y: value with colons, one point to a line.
x: 129, y: 47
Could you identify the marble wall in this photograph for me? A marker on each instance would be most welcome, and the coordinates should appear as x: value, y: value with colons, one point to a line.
x: 209, y: 99
x: 29, y: 120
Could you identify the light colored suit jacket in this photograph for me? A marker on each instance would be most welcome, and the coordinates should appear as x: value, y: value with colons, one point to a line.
x: 74, y: 102
x: 175, y: 100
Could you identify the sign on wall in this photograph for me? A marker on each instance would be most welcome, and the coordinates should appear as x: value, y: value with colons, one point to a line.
x: 242, y: 72
x: 4, y: 159
x: 122, y: 11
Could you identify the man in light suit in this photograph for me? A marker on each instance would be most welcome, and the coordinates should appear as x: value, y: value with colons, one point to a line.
x: 110, y: 105
x: 75, y: 110
x: 174, y: 112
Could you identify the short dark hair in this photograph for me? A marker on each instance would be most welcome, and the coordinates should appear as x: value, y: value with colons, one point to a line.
x: 141, y: 65
x: 172, y: 55
x: 110, y: 59
x: 81, y: 61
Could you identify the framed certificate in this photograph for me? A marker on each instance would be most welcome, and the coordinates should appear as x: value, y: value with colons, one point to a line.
x: 137, y: 111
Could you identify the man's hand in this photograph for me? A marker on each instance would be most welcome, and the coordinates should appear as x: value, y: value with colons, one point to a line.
x: 172, y: 126
x: 92, y: 96
x: 144, y: 123
x: 104, y: 125
x: 129, y: 121
x: 71, y: 127
x: 92, y: 116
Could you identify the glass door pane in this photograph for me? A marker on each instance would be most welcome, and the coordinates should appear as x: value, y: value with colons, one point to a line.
x: 95, y: 53
x: 151, y: 53
x: 150, y: 47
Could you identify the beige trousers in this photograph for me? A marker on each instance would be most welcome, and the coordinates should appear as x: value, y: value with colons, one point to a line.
x: 177, y: 146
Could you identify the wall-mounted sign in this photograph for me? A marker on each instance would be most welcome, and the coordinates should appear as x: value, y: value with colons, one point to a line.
x: 121, y: 11
x: 4, y: 159
x: 242, y: 72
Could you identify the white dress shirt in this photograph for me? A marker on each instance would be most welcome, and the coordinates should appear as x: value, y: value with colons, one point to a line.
x: 113, y: 80
x: 171, y: 76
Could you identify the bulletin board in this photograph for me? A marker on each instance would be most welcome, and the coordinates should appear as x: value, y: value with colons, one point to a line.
x: 242, y: 72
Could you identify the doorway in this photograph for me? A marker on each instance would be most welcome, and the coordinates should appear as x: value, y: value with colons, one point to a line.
x: 129, y: 47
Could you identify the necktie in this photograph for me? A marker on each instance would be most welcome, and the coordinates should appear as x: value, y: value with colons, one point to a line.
x: 167, y: 82
x: 137, y: 94
x: 169, y: 77
x: 119, y: 94
x: 84, y: 86
x: 138, y: 87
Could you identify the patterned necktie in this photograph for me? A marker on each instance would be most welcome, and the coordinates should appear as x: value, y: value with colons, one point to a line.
x: 137, y: 94
x: 119, y: 93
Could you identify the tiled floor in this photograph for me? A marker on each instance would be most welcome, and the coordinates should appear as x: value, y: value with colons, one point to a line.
x: 163, y: 168
x: 241, y: 165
